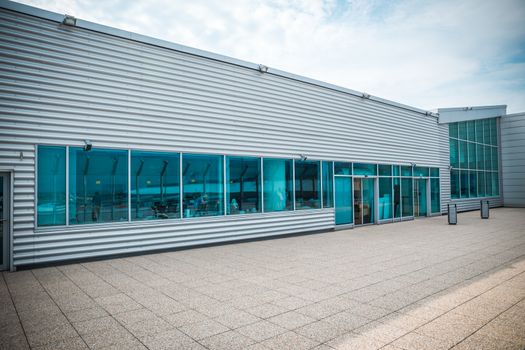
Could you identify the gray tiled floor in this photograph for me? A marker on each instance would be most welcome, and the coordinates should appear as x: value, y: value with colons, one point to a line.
x: 413, y: 285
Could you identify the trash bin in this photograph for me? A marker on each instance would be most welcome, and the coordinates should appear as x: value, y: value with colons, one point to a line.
x: 452, y: 214
x: 484, y: 209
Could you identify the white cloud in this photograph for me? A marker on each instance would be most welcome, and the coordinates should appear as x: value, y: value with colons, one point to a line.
x: 425, y: 54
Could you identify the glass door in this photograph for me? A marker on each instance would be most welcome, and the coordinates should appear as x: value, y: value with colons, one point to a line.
x: 4, y: 219
x: 364, y: 201
x: 343, y: 200
x: 420, y: 197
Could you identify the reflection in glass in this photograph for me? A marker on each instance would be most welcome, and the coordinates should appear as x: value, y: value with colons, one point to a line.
x: 98, y: 185
x: 435, y: 200
x: 155, y: 185
x: 473, y: 184
x: 243, y: 185
x: 328, y: 185
x: 343, y: 168
x: 385, y: 198
x: 343, y: 200
x: 397, y: 197
x: 202, y: 177
x: 307, y: 185
x: 365, y: 169
x: 406, y: 170
x: 463, y: 155
x: 421, y: 171
x: 385, y: 170
x: 407, y: 199
x: 481, y: 184
x: 454, y: 184
x: 454, y: 153
x: 51, y: 184
x: 278, y: 186
x: 464, y: 183
x: 420, y: 197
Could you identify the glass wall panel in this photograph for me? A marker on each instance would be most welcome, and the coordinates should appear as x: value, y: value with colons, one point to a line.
x: 406, y: 171
x: 488, y: 158
x: 463, y: 155
x: 473, y: 183
x: 368, y: 202
x: 343, y: 168
x: 462, y: 134
x: 480, y: 156
x: 494, y: 158
x: 454, y: 153
x: 385, y: 198
x: 453, y: 130
x: 479, y: 130
x: 486, y: 131
x: 464, y: 183
x: 397, y: 197
x: 471, y: 155
x: 481, y: 184
x: 98, y: 185
x: 395, y: 170
x: 454, y: 184
x: 203, y: 185
x: 385, y: 170
x: 328, y: 185
x: 343, y: 200
x: 307, y: 185
x: 434, y: 172
x: 278, y: 185
x: 421, y: 171
x: 155, y: 185
x: 495, y: 184
x: 51, y: 185
x: 365, y: 169
x: 435, y: 201
x: 471, y: 130
x: 493, y: 132
x: 407, y: 199
x: 488, y: 184
x: 243, y: 185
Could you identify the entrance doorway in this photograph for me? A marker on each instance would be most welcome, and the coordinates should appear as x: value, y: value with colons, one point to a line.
x: 420, y: 197
x: 343, y: 200
x: 364, y: 201
x: 4, y: 220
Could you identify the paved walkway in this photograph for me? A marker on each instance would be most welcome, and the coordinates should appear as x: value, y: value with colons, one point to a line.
x: 413, y: 285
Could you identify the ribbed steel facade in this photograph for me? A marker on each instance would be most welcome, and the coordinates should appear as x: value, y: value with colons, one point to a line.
x: 513, y: 159
x: 61, y: 85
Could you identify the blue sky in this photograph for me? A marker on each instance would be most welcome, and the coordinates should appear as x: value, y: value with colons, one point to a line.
x: 427, y: 54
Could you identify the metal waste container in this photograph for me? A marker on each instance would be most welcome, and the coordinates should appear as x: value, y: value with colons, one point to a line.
x: 484, y: 209
x: 452, y: 214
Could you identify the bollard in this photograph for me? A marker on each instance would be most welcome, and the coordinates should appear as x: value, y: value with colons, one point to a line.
x: 484, y: 209
x: 452, y: 214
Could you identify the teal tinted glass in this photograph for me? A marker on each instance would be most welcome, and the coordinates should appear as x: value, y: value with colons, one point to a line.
x: 488, y: 184
x: 243, y: 185
x: 454, y: 184
x: 343, y: 168
x: 494, y: 158
x: 278, y: 185
x: 434, y: 172
x: 385, y: 170
x: 495, y: 184
x: 486, y: 131
x: 307, y: 185
x: 397, y: 197
x: 454, y: 153
x: 98, y: 185
x: 471, y: 155
x: 343, y: 200
x: 328, y: 185
x: 488, y: 157
x: 203, y: 185
x: 481, y: 184
x: 493, y: 132
x: 407, y: 199
x: 480, y: 157
x: 463, y: 155
x: 365, y: 169
x: 435, y: 200
x: 462, y: 133
x: 421, y: 171
x: 395, y: 170
x: 385, y: 198
x: 464, y: 183
x: 155, y: 185
x: 453, y: 130
x: 51, y: 184
x: 368, y: 203
x: 406, y: 171
x: 471, y: 130
x: 479, y: 130
x: 473, y: 184
x: 420, y: 197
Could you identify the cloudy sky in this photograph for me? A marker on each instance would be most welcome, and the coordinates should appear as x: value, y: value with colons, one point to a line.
x: 427, y: 54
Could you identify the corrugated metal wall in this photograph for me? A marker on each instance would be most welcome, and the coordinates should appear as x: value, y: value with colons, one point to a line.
x: 513, y: 159
x: 61, y: 85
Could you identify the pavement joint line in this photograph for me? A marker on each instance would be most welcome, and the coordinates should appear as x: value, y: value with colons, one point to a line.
x: 16, y: 309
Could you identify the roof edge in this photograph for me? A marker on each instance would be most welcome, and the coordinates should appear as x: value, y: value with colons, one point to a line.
x: 56, y: 17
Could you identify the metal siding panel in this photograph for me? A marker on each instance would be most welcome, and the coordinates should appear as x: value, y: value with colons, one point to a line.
x: 513, y: 159
x: 61, y: 86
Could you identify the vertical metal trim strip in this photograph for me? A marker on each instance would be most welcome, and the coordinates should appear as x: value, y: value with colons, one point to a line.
x: 293, y: 184
x: 181, y: 192
x: 261, y: 197
x: 67, y: 186
x: 224, y: 211
x: 129, y: 185
x: 35, y: 186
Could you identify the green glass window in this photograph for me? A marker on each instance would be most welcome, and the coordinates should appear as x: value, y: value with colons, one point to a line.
x: 463, y: 155
x: 51, y: 184
x: 495, y: 184
x: 421, y: 171
x: 454, y: 153
x: 462, y: 133
x: 454, y: 184
x: 203, y: 185
x: 397, y: 197
x: 343, y: 168
x: 453, y: 130
x: 365, y: 169
x: 434, y: 172
x: 488, y: 184
x: 479, y: 130
x: 494, y: 158
x: 328, y: 185
x: 98, y: 185
x: 488, y: 158
x: 480, y: 157
x: 481, y: 184
x: 471, y: 130
x: 464, y: 183
x: 486, y: 131
x: 406, y: 171
x: 473, y: 184
x: 385, y: 170
x: 493, y: 132
x: 343, y: 206
x: 278, y: 185
x: 435, y: 201
x: 407, y: 198
x: 395, y: 170
x: 385, y: 198
x: 155, y: 185
x: 307, y: 185
x: 471, y: 155
x: 243, y: 185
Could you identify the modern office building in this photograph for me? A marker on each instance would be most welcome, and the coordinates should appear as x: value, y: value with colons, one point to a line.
x: 114, y: 143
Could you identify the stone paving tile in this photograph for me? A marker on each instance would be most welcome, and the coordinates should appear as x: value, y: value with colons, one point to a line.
x: 320, y: 331
x: 289, y: 341
x: 478, y: 341
x: 236, y: 319
x: 230, y: 340
x: 415, y: 341
x: 117, y: 303
x: 353, y: 341
x: 261, y: 330
x: 171, y: 339
x: 67, y: 344
x: 203, y: 329
x: 266, y: 310
x: 184, y: 317
x: 291, y: 320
